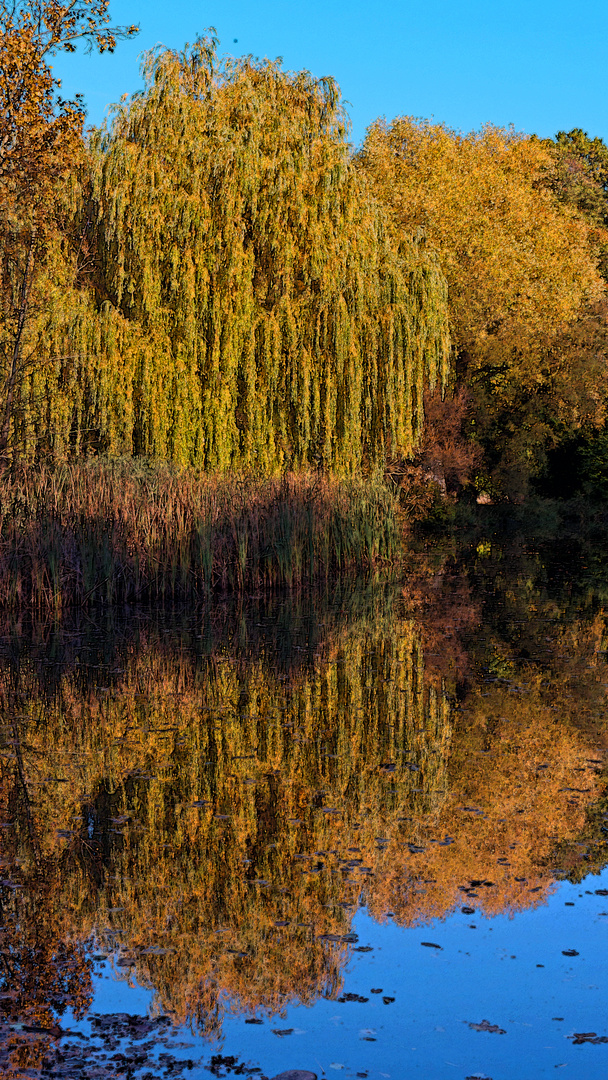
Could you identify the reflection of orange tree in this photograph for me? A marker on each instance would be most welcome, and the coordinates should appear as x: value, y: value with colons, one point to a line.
x: 43, y: 971
x: 522, y: 776
x: 217, y: 822
x: 43, y: 966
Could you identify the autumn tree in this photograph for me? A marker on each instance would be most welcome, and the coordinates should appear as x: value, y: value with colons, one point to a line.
x: 287, y: 329
x: 40, y: 141
x: 521, y: 265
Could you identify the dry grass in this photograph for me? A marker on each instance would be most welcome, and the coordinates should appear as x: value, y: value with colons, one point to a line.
x: 130, y: 531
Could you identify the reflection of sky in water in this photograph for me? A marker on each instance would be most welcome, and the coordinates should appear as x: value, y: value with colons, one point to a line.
x: 489, y: 973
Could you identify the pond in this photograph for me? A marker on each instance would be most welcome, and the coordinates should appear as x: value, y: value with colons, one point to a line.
x: 361, y: 833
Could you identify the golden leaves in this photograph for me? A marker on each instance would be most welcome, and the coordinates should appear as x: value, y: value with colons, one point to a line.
x: 519, y: 265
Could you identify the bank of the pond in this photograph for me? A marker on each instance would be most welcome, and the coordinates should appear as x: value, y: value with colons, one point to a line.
x: 127, y: 531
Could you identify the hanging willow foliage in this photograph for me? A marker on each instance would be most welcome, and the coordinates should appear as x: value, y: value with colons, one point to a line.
x: 75, y: 384
x: 249, y: 309
x: 236, y: 233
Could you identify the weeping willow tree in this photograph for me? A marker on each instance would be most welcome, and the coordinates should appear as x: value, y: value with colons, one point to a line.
x: 222, y: 289
x: 283, y: 326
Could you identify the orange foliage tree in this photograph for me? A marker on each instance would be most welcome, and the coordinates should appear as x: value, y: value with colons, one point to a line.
x: 40, y: 139
x: 521, y: 266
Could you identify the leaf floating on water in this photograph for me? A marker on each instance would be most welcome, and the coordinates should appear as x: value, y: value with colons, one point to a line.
x: 485, y: 1025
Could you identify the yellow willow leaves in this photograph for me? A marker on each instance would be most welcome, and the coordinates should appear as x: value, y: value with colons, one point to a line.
x: 75, y: 385
x: 80, y: 396
x: 285, y: 327
x: 519, y: 265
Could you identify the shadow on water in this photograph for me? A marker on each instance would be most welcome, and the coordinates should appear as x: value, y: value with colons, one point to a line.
x: 207, y: 799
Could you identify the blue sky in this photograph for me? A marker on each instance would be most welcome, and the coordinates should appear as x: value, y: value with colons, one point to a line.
x: 536, y: 64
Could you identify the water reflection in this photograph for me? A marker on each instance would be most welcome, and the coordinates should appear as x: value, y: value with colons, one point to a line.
x: 211, y: 800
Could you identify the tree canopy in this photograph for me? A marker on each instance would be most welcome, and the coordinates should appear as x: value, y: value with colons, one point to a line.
x: 288, y: 328
x: 517, y: 262
x: 522, y: 269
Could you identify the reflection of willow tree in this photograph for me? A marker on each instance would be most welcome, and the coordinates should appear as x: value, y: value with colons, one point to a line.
x: 313, y: 763
x: 215, y: 819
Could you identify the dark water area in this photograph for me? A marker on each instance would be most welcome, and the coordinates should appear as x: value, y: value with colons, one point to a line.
x: 361, y: 832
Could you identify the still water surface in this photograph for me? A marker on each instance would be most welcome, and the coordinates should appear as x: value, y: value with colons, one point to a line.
x: 362, y: 834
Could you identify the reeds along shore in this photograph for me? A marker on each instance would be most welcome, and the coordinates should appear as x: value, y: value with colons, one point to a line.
x: 129, y: 531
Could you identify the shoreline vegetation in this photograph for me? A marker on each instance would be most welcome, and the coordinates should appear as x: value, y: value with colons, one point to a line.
x: 129, y: 531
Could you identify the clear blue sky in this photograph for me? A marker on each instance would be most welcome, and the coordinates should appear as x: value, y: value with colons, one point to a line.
x: 540, y: 65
